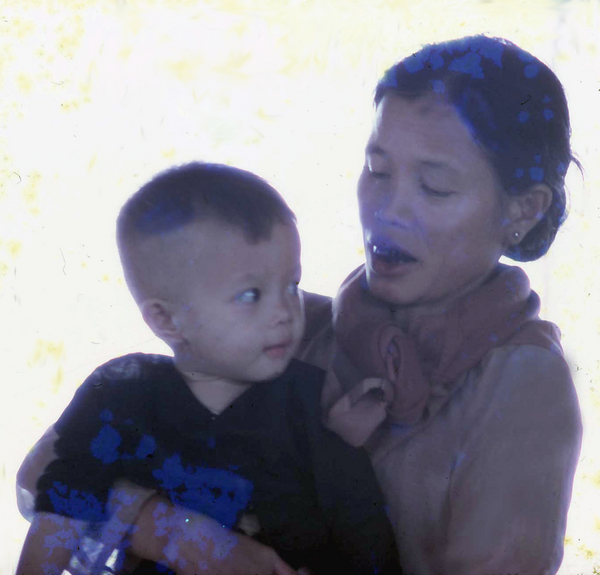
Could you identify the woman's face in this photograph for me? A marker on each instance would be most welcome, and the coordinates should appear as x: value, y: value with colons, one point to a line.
x: 431, y: 206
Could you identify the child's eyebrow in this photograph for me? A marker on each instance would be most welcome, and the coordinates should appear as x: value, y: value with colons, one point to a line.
x: 245, y: 277
x: 250, y: 277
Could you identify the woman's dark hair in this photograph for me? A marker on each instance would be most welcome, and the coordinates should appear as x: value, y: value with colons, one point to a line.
x: 515, y: 108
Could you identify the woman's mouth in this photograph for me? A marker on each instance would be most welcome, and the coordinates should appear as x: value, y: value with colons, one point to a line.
x: 389, y: 259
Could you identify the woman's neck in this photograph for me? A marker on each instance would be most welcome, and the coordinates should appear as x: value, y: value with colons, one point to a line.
x: 407, y: 316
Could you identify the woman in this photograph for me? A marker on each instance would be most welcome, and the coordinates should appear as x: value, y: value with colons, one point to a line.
x: 442, y: 368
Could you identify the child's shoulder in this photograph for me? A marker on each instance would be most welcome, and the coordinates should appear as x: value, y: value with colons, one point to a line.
x: 130, y: 371
x: 132, y: 366
x: 122, y: 389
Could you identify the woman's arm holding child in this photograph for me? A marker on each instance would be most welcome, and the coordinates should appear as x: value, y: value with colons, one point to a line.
x: 49, y: 545
x: 31, y: 470
x: 189, y: 542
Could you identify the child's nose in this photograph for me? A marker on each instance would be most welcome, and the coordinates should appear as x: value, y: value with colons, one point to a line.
x: 283, y: 311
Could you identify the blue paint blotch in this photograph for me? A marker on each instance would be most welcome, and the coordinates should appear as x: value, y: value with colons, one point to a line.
x: 537, y: 158
x: 219, y: 493
x: 525, y: 57
x: 438, y: 86
x: 146, y: 447
x: 436, y: 61
x: 536, y: 174
x: 548, y: 114
x: 413, y: 64
x: 470, y: 64
x: 531, y: 70
x: 75, y: 503
x: 493, y: 52
x: 105, y: 445
x: 523, y: 116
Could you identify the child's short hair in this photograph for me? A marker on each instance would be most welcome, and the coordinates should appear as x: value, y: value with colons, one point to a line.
x: 188, y: 194
x: 198, y: 191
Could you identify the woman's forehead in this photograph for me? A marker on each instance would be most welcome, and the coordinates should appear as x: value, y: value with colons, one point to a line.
x: 428, y: 114
x: 428, y: 126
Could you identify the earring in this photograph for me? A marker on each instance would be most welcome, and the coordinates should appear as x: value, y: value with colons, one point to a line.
x: 516, y: 235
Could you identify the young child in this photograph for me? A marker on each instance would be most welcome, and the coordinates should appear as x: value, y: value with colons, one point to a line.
x: 230, y: 426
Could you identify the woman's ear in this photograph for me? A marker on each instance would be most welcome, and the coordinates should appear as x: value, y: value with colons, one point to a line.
x: 160, y: 317
x: 526, y: 210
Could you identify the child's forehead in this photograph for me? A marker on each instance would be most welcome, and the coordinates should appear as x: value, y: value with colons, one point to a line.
x: 212, y: 242
x: 208, y: 231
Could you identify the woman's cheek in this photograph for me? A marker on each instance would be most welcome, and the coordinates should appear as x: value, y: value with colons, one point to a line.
x: 366, y: 204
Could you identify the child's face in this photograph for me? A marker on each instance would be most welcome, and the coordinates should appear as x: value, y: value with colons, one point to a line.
x: 242, y: 317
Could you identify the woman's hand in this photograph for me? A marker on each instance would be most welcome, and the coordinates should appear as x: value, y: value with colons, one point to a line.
x: 189, y: 543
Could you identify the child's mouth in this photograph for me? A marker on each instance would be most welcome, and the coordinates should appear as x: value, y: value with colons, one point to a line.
x: 279, y: 350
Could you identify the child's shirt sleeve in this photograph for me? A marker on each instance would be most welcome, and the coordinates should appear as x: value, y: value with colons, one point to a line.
x: 99, y: 434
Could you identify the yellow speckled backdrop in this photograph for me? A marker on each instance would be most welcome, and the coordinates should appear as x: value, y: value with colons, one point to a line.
x: 98, y: 95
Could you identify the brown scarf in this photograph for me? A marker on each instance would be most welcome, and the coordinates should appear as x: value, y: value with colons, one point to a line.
x: 415, y: 369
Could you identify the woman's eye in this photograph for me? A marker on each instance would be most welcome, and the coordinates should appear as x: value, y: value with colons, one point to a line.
x: 249, y: 296
x: 378, y: 174
x: 432, y: 192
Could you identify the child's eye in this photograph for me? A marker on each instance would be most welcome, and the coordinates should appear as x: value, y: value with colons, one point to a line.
x: 248, y: 296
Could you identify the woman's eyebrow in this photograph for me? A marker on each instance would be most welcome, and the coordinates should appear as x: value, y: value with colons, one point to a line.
x: 439, y: 165
x: 375, y: 150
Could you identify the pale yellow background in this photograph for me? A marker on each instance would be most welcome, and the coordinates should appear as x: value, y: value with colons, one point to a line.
x: 96, y: 96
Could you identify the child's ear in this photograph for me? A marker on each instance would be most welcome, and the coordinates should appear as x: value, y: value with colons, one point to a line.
x: 160, y: 317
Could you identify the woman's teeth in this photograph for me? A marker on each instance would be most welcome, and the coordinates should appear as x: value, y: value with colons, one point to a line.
x: 392, y: 255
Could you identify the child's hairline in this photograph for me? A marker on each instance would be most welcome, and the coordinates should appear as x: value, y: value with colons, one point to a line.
x: 123, y: 236
x: 130, y: 242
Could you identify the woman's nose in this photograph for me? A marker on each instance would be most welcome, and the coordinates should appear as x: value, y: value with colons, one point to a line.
x: 396, y: 208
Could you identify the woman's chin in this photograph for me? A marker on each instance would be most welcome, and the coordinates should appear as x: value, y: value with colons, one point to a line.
x: 388, y: 290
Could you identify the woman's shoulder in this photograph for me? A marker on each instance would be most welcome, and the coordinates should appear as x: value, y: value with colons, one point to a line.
x: 317, y: 308
x: 529, y: 376
x: 316, y: 346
